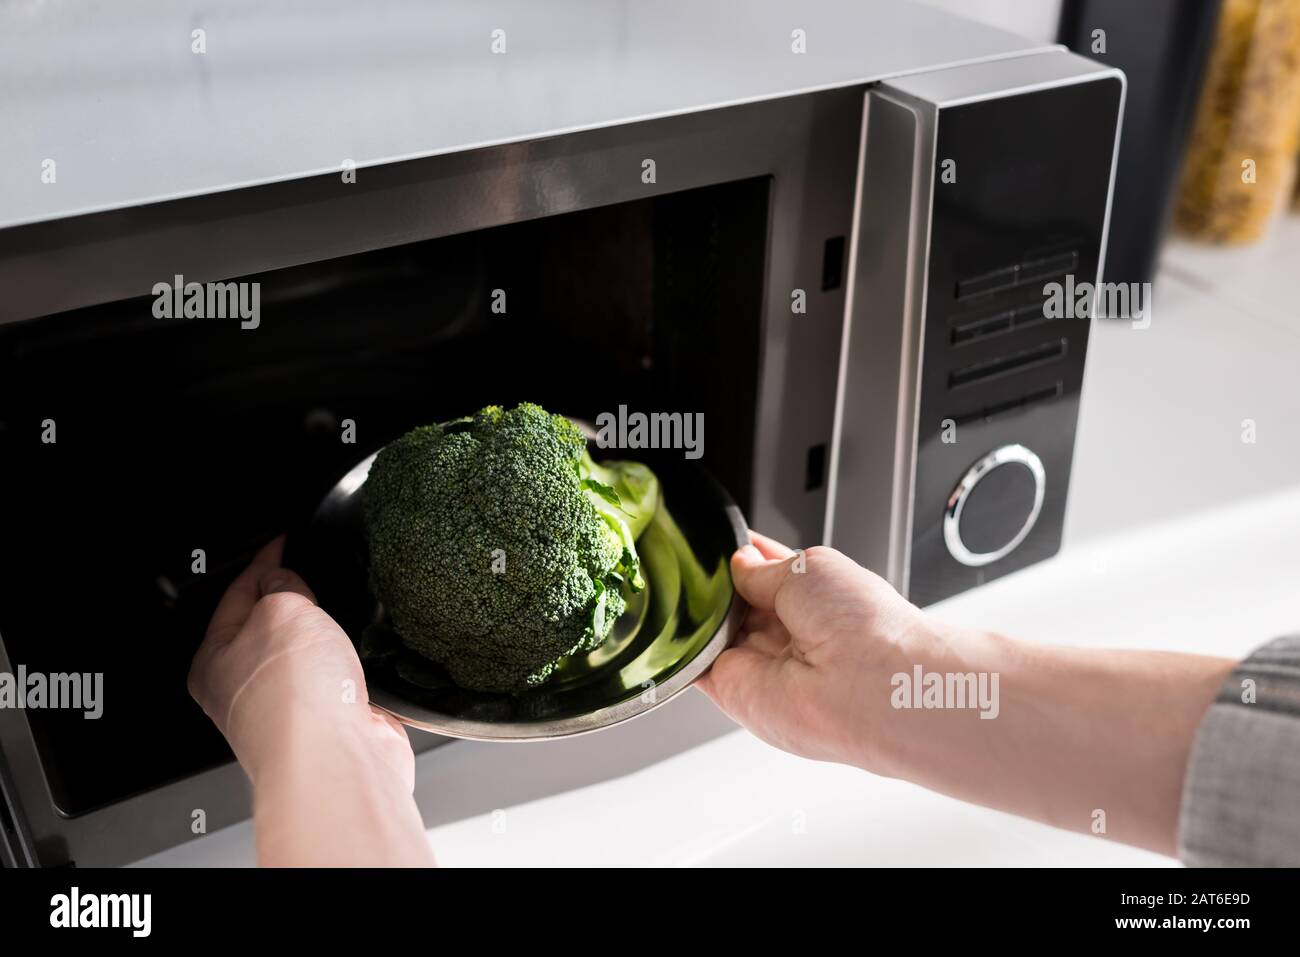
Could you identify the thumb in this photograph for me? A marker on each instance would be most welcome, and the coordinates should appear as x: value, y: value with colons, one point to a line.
x: 758, y: 579
x: 282, y: 579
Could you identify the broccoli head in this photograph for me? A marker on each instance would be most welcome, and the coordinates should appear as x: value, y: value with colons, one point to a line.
x: 498, y: 547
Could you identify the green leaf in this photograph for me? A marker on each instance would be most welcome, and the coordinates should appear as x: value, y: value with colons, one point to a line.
x: 604, y: 491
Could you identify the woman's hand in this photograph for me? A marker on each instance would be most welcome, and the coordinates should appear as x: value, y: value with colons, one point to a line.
x: 332, y: 776
x: 811, y: 669
x: 828, y: 657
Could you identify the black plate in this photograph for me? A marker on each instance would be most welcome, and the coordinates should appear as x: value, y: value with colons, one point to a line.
x: 670, y: 634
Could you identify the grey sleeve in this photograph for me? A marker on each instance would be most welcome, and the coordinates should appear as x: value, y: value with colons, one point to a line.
x: 1241, y: 796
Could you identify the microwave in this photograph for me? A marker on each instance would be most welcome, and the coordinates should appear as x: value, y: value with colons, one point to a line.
x: 826, y: 230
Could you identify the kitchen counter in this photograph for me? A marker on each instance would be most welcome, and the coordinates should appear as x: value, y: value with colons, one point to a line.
x: 1180, y: 536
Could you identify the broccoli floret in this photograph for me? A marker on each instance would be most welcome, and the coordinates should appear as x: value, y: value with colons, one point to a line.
x: 498, y: 547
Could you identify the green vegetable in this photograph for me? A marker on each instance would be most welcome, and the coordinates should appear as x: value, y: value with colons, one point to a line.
x: 498, y: 547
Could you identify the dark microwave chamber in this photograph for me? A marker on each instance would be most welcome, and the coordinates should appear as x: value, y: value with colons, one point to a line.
x: 183, y: 434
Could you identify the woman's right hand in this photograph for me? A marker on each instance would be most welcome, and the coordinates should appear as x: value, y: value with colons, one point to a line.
x: 827, y: 649
x: 811, y: 669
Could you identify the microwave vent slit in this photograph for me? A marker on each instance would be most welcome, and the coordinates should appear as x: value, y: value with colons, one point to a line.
x: 1039, y: 355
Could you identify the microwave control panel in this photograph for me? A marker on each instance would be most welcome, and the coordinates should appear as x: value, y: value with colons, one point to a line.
x: 1001, y: 182
x: 1016, y: 241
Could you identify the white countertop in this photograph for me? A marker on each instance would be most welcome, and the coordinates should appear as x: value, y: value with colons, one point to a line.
x: 1179, y: 536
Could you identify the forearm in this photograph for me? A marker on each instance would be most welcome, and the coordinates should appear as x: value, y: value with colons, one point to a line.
x: 1086, y: 739
x: 331, y: 795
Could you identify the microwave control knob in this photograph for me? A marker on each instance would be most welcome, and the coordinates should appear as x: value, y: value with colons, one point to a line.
x: 994, y: 506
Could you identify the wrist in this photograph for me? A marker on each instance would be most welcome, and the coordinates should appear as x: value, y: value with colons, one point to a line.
x: 938, y: 688
x: 272, y: 723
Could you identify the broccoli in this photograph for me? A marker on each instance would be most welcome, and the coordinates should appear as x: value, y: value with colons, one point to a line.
x: 498, y: 547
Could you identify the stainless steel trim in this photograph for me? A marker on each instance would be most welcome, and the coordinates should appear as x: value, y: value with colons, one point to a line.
x: 913, y: 360
x: 1110, y: 191
x: 872, y: 462
x: 974, y: 83
x: 841, y: 374
x: 1006, y: 455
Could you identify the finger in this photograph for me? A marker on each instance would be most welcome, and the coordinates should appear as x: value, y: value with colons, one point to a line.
x: 243, y: 593
x: 758, y: 579
x: 282, y: 579
x: 740, y: 678
x: 384, y: 717
x: 770, y: 547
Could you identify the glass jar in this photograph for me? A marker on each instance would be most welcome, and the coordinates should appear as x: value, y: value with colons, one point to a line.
x: 1242, y: 152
